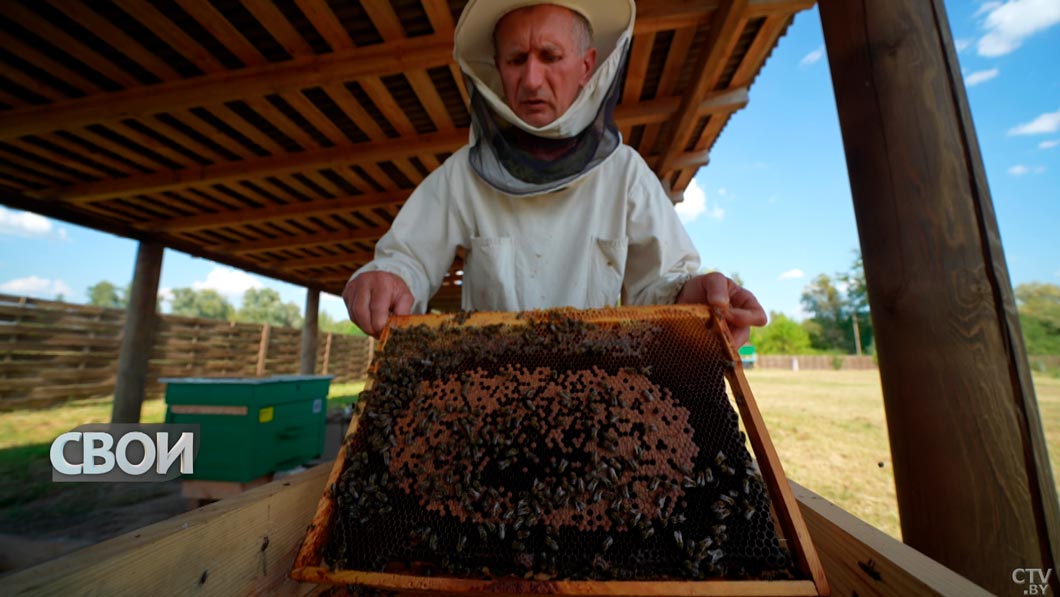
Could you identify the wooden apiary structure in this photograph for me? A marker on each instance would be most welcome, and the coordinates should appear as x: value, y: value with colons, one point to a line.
x: 565, y: 452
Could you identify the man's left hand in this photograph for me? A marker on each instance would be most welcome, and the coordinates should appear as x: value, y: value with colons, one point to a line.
x: 740, y: 307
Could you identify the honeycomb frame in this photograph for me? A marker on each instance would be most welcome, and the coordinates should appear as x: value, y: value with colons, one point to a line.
x: 310, y: 564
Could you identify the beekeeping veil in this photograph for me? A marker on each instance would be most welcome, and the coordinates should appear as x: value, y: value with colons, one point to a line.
x: 588, y: 123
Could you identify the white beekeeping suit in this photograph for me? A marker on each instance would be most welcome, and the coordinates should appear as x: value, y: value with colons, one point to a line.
x: 582, y: 231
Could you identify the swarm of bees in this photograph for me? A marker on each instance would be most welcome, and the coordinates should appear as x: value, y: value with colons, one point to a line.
x: 557, y: 449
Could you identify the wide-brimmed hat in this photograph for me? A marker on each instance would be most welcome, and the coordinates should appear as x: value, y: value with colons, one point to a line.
x: 608, y: 19
x: 612, y: 27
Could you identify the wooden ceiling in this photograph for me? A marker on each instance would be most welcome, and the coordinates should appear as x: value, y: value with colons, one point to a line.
x: 282, y: 137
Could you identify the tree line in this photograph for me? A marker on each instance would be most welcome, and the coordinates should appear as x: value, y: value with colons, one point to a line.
x: 839, y: 320
x: 259, y: 305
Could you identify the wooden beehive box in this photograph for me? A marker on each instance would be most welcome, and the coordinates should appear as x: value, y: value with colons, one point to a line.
x: 564, y: 452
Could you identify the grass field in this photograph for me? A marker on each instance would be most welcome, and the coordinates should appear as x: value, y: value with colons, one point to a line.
x: 831, y: 435
x: 828, y: 427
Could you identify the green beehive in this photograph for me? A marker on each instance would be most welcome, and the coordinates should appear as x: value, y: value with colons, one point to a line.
x: 250, y: 427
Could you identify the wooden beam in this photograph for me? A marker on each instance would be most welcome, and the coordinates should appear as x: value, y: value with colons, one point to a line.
x: 137, y: 341
x: 277, y: 212
x: 292, y: 75
x: 335, y: 157
x: 223, y: 31
x: 859, y: 559
x: 725, y: 30
x: 311, y: 262
x: 975, y: 490
x: 665, y: 15
x: 326, y: 24
x: 308, y: 363
x: 295, y: 242
x: 168, y: 31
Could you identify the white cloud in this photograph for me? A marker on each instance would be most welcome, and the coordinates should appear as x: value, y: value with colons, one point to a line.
x: 1018, y: 170
x: 28, y: 225
x: 693, y: 204
x: 963, y: 44
x: 812, y: 57
x: 723, y: 191
x: 792, y: 274
x: 229, y: 282
x: 1008, y: 24
x: 36, y: 286
x: 1044, y: 123
x: 1048, y: 144
x: 980, y: 76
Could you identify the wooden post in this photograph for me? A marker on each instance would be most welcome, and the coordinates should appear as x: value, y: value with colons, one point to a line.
x: 309, y: 332
x: 138, y: 335
x: 975, y: 490
x: 263, y: 350
x: 327, y: 355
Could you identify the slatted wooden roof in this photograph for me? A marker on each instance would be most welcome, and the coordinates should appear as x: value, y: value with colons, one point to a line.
x: 283, y: 136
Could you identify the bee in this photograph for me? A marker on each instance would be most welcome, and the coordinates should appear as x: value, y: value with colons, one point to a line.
x: 551, y: 543
x: 460, y: 543
x: 606, y: 545
x: 679, y: 539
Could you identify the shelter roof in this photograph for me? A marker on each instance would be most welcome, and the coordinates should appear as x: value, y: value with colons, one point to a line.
x: 282, y: 137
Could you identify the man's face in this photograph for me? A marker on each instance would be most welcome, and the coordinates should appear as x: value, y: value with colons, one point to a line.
x: 541, y: 62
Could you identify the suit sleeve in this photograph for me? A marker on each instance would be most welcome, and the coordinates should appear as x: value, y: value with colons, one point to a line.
x: 661, y: 256
x: 420, y: 245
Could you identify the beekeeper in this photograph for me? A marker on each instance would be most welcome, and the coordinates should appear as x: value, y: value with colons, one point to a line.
x: 549, y: 206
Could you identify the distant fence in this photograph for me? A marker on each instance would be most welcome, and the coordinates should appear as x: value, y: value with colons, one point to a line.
x: 817, y: 361
x: 52, y: 351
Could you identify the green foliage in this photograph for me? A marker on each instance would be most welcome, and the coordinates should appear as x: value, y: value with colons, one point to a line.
x: 781, y: 336
x: 263, y: 305
x: 105, y: 294
x: 831, y: 325
x: 328, y: 325
x: 1039, y: 309
x: 202, y: 303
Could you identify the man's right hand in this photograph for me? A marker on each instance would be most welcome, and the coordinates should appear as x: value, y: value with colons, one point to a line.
x: 372, y: 296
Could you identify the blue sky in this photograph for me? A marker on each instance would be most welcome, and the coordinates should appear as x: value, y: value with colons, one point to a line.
x: 773, y: 205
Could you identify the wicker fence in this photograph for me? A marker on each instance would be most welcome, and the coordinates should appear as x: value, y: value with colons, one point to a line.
x: 52, y: 352
x: 843, y: 362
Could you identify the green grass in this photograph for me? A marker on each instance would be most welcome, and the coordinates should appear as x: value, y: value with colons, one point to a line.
x: 830, y: 432
x: 828, y: 427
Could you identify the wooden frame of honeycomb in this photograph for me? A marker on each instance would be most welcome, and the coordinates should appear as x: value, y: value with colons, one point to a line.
x: 625, y: 395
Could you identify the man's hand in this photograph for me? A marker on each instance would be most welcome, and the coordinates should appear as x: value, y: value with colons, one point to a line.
x: 740, y: 307
x: 372, y: 296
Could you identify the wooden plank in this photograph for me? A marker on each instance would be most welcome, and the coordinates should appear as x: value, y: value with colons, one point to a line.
x: 222, y: 549
x: 169, y: 32
x: 756, y: 54
x: 350, y: 259
x: 51, y: 172
x: 89, y: 153
x: 42, y: 61
x: 383, y: 100
x: 292, y: 75
x: 38, y: 87
x: 218, y: 26
x: 116, y: 38
x: 279, y: 27
x: 385, y: 20
x: 195, y: 123
x: 675, y: 61
x: 725, y: 29
x: 60, y: 159
x: 154, y: 145
x: 138, y: 339
x: 315, y: 117
x: 307, y: 240
x: 664, y: 15
x: 266, y: 110
x: 115, y: 148
x: 248, y: 130
x: 336, y: 157
x: 431, y: 100
x: 952, y: 361
x: 278, y: 212
x: 326, y: 24
x: 862, y: 560
x: 30, y: 20
x: 439, y: 16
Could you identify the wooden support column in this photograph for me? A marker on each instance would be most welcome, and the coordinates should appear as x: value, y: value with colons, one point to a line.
x: 138, y: 335
x: 309, y: 332
x: 975, y: 491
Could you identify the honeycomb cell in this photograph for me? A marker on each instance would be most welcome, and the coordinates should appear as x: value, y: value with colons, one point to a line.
x: 561, y: 447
